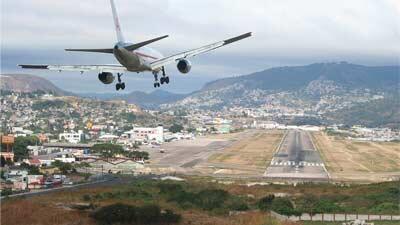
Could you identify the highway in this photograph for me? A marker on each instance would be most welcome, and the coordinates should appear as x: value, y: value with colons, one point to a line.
x: 297, y: 160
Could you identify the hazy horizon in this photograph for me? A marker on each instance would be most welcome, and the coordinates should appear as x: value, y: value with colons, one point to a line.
x: 285, y: 33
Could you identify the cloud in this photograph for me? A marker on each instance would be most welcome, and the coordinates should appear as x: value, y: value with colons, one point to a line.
x: 286, y: 32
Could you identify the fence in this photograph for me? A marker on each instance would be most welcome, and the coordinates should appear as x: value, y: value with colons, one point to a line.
x: 331, y: 217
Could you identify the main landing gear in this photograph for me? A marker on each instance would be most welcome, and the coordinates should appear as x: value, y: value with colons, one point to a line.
x: 163, y: 79
x: 120, y: 84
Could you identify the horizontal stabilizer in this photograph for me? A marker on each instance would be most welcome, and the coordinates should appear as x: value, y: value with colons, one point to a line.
x: 104, y: 50
x: 141, y: 44
x: 40, y: 67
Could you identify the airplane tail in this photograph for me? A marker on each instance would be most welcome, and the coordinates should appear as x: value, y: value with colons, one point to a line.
x: 117, y: 24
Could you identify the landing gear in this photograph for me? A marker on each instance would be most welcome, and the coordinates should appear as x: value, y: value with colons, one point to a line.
x: 120, y: 84
x: 156, y: 83
x: 163, y: 80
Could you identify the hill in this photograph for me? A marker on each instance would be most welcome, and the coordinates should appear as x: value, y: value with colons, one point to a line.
x: 146, y: 100
x: 296, y: 77
x: 28, y: 83
x: 319, y: 89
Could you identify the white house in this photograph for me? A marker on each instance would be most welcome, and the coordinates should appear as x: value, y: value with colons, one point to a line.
x: 147, y: 134
x: 65, y: 158
x: 72, y: 137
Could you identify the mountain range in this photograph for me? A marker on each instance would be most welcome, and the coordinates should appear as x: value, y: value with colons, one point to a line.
x: 146, y: 100
x: 327, y: 89
x: 295, y: 85
x: 28, y: 83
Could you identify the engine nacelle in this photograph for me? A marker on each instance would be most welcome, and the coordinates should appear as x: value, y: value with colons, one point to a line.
x: 106, y: 78
x: 184, y: 66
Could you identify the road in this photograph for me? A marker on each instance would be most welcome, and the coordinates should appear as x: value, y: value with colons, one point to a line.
x: 297, y: 160
x: 104, y: 181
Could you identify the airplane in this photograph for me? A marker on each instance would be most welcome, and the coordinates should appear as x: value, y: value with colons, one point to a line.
x: 136, y: 58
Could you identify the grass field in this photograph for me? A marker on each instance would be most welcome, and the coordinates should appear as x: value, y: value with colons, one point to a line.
x: 256, y: 150
x: 355, y: 160
x: 53, y: 208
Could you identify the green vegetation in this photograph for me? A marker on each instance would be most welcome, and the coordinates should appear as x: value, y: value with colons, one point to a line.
x: 129, y: 117
x: 30, y: 168
x: 381, y: 112
x: 127, y: 214
x: 208, y: 199
x: 63, y: 167
x: 374, y: 198
x: 175, y: 128
x: 40, y: 105
x: 20, y: 146
x: 6, y: 192
x: 280, y: 205
x: 109, y: 150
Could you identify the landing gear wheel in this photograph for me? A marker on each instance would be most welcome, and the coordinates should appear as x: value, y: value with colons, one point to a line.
x: 166, y: 80
x: 162, y: 80
x: 156, y: 85
x: 118, y: 86
x: 122, y: 86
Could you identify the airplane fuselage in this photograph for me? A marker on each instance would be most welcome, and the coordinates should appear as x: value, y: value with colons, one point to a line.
x: 138, y: 60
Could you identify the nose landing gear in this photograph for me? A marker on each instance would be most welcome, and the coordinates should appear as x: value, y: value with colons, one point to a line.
x: 120, y: 84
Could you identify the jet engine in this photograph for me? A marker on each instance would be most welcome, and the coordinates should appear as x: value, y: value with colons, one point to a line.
x: 184, y: 66
x: 106, y: 78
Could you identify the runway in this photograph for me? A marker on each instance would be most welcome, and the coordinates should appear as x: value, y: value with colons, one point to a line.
x: 297, y: 160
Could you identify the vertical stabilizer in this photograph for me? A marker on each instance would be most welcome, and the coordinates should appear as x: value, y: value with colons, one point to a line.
x: 120, y: 37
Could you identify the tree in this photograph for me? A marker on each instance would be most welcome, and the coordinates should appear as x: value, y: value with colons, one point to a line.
x: 284, y: 206
x: 3, y: 161
x: 308, y: 203
x: 108, y: 150
x: 175, y: 128
x: 62, y: 166
x: 31, y: 169
x: 20, y: 146
x: 266, y: 202
x: 191, y: 130
x: 137, y: 154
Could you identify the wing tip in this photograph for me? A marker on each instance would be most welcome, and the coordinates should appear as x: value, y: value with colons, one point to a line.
x: 238, y: 38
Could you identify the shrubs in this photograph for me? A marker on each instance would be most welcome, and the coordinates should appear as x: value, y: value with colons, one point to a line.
x: 210, y: 199
x: 280, y: 205
x: 284, y: 206
x: 266, y: 202
x: 86, y: 198
x: 127, y: 214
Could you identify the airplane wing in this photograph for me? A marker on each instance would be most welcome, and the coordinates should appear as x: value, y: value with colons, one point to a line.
x: 165, y: 61
x: 80, y: 68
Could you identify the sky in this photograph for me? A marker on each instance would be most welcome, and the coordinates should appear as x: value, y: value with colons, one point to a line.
x: 285, y: 33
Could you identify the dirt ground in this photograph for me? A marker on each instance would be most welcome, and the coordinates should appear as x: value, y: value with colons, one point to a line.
x: 255, y: 150
x: 355, y: 160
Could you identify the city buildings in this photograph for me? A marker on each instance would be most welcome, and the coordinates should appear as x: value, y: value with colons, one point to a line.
x: 71, y: 137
